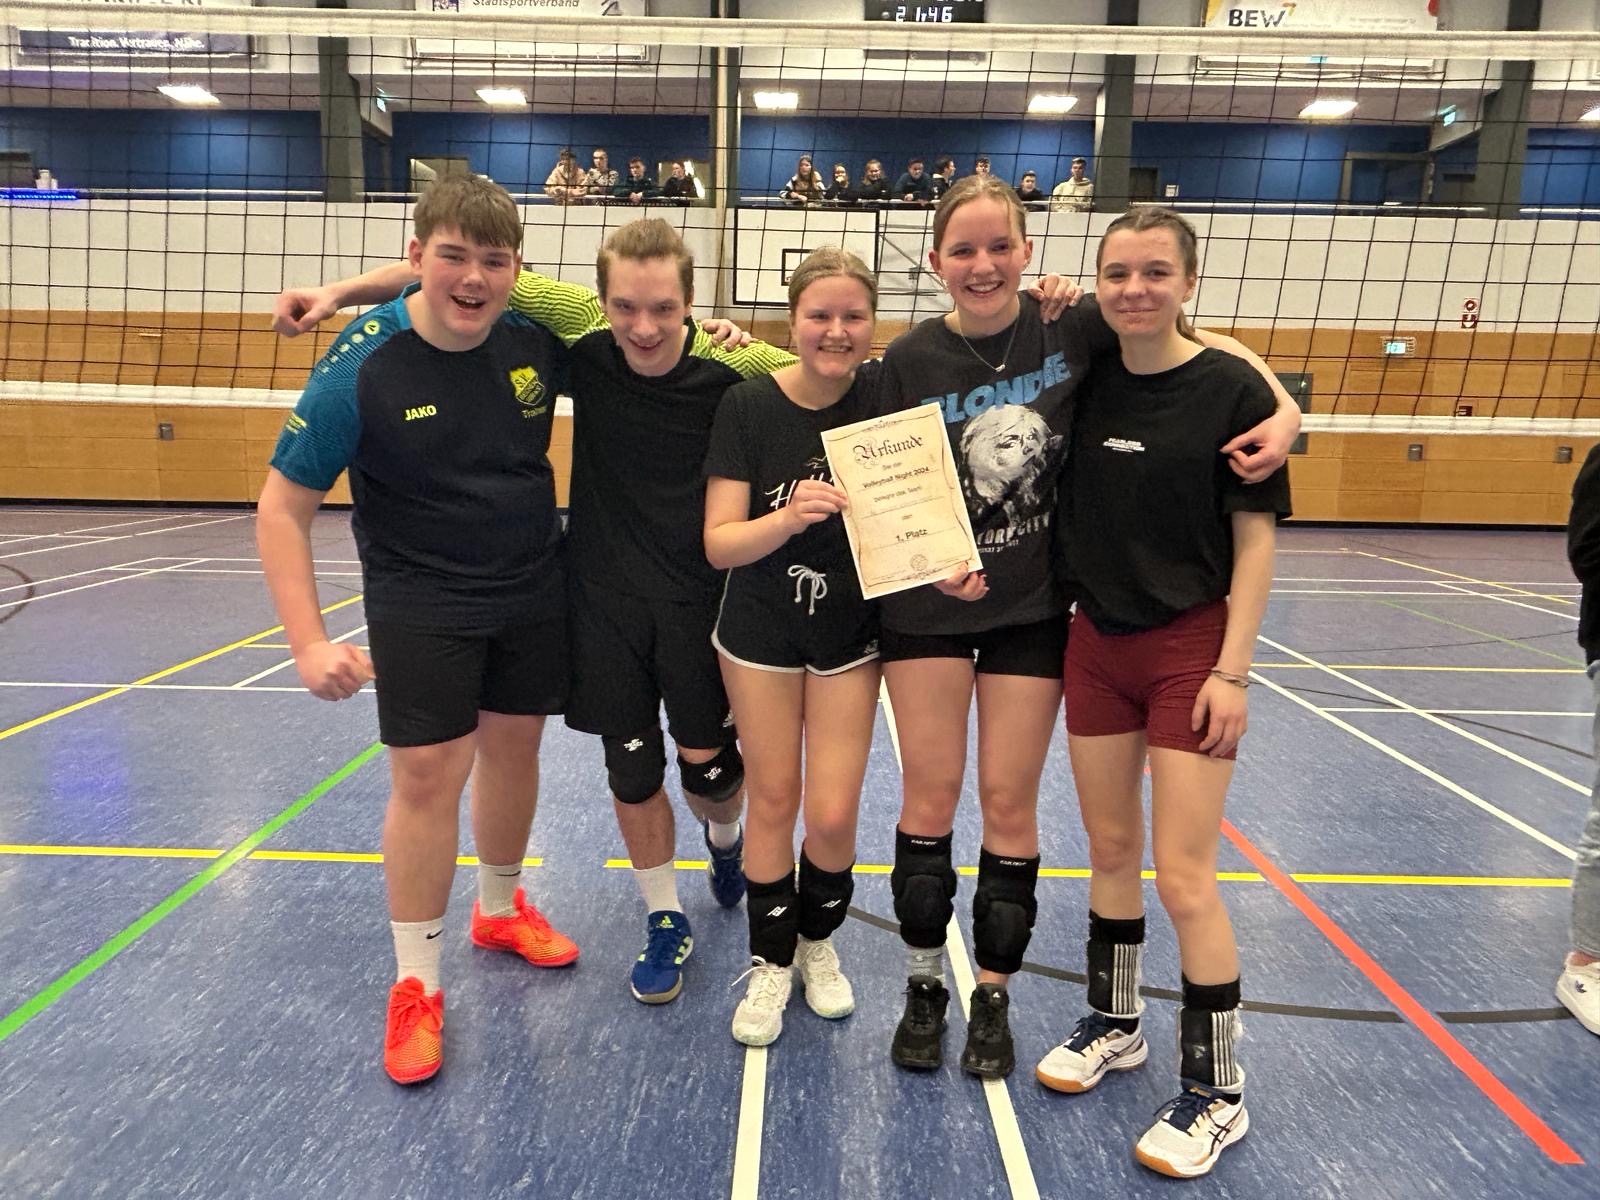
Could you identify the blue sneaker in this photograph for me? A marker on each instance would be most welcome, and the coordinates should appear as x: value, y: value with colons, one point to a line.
x: 725, y: 869
x: 658, y: 975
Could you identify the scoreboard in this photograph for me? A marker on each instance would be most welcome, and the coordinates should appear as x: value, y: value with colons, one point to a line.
x: 940, y: 12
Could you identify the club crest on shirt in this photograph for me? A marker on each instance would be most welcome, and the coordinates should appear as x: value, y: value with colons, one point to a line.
x: 529, y: 389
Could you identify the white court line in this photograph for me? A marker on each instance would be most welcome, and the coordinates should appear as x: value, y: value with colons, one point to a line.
x: 752, y: 1113
x: 65, y: 546
x: 131, y: 564
x: 289, y: 662
x: 90, y: 533
x: 11, y: 539
x: 84, y: 587
x: 315, y: 561
x: 1432, y: 595
x: 1565, y: 616
x: 1538, y: 768
x: 1007, y: 1133
x: 124, y: 536
x: 1468, y: 712
x: 1400, y: 562
x: 1449, y: 785
x: 195, y: 525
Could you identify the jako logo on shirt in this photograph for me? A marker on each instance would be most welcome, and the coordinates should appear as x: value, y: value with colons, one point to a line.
x: 416, y: 414
x: 1022, y: 389
x: 529, y: 389
x: 1123, y: 445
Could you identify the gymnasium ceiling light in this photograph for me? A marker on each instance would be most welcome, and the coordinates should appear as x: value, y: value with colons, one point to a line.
x: 1044, y: 103
x: 187, y: 93
x: 1327, y: 110
x: 778, y: 101
x: 1592, y: 115
x: 503, y: 97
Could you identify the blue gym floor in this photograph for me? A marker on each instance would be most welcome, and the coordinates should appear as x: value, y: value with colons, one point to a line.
x: 196, y: 951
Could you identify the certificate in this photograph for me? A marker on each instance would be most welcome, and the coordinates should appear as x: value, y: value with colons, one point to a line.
x: 907, y: 519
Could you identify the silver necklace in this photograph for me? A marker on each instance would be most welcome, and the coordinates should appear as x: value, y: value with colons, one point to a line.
x: 1005, y: 354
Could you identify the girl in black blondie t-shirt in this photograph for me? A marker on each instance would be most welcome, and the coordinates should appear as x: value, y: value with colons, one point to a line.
x: 1172, y: 558
x: 1006, y: 384
x: 797, y: 643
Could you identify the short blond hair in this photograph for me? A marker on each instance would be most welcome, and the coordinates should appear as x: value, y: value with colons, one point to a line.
x: 641, y: 240
x: 482, y: 210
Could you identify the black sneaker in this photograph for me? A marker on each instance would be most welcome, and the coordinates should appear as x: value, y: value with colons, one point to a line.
x: 989, y: 1053
x: 918, y: 1039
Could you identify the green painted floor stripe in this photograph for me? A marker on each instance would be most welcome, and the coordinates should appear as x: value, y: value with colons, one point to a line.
x: 1426, y: 616
x: 118, y: 942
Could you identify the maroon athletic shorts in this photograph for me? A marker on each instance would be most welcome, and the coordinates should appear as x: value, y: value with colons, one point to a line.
x: 1142, y: 682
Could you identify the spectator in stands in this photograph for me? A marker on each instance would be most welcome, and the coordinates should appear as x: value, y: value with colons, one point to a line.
x: 841, y: 190
x: 913, y: 187
x: 805, y: 185
x: 944, y: 174
x: 1075, y: 194
x: 565, y: 184
x: 981, y: 168
x: 638, y: 187
x: 601, y: 179
x: 873, y: 188
x: 1029, y: 192
x: 680, y: 188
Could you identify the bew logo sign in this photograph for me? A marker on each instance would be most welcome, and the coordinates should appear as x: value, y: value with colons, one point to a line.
x: 1259, y: 18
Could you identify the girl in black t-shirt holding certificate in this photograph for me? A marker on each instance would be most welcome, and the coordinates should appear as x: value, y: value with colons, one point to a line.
x: 1172, y: 556
x: 797, y: 643
x: 1006, y: 383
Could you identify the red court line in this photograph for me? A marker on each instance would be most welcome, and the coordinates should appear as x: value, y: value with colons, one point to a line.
x: 1503, y: 1097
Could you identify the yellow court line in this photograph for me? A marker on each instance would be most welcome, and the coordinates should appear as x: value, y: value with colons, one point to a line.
x: 467, y: 860
x: 162, y: 674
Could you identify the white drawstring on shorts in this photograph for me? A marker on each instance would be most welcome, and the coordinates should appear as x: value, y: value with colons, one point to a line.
x: 819, y: 585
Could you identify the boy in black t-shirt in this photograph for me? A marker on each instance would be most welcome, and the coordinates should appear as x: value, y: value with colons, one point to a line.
x: 440, y: 405
x: 646, y: 382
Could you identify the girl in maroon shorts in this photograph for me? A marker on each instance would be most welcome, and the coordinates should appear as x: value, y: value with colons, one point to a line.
x: 1172, y: 554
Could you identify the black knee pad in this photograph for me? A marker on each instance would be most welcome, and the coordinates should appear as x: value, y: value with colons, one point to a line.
x: 1003, y: 911
x: 924, y: 885
x: 824, y: 899
x: 773, y: 919
x: 636, y: 766
x: 714, y: 781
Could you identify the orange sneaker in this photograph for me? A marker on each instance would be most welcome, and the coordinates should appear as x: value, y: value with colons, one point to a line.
x: 413, y: 1042
x: 527, y: 934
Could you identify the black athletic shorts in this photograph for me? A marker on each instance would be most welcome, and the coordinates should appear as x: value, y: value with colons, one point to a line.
x: 432, y: 683
x: 1035, y: 650
x: 630, y: 655
x: 806, y: 631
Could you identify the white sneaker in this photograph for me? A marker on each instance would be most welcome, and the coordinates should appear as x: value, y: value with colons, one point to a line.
x: 759, y: 1018
x: 1191, y: 1132
x: 1092, y: 1049
x: 828, y: 992
x: 1579, y: 989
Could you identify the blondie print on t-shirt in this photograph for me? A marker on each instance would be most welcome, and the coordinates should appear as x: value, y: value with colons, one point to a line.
x: 1005, y: 457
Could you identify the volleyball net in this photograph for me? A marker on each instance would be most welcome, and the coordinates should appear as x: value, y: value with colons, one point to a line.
x: 1404, y: 224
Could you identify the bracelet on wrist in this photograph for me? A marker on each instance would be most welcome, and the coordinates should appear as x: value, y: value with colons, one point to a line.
x: 1238, y: 681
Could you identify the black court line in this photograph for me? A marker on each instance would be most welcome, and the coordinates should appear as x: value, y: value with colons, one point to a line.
x: 1374, y: 1016
x: 10, y: 608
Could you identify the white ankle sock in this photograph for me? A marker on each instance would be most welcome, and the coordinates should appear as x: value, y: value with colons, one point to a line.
x: 659, y: 887
x: 722, y: 836
x: 497, y: 888
x: 417, y: 946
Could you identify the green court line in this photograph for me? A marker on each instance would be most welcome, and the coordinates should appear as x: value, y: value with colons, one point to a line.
x: 1483, y: 633
x: 118, y: 942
